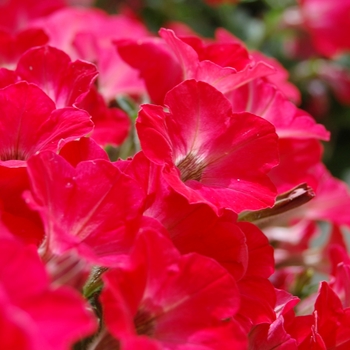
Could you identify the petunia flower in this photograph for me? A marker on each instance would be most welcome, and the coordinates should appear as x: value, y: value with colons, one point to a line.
x: 30, y: 123
x: 240, y: 247
x: 186, y: 302
x: 93, y: 207
x: 209, y: 153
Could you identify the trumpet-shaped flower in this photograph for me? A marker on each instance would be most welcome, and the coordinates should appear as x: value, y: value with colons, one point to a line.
x: 30, y: 123
x: 93, y: 207
x: 186, y: 302
x: 209, y: 153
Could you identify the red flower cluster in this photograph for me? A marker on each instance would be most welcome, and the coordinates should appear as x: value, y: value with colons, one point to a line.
x: 168, y: 249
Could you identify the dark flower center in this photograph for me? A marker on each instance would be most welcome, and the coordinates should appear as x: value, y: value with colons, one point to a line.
x: 144, y: 323
x: 191, y: 168
x: 12, y: 154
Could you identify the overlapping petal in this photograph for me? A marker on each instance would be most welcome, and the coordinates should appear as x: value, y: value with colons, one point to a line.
x: 16, y: 216
x: 88, y: 35
x: 112, y: 125
x: 328, y: 326
x: 226, y: 66
x: 81, y: 150
x: 180, y: 301
x: 94, y: 207
x: 240, y: 247
x: 52, y: 70
x: 14, y: 45
x: 33, y: 314
x: 265, y: 100
x: 212, y: 63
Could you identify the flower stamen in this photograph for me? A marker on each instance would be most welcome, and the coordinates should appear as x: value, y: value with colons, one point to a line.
x: 191, y: 168
x: 144, y: 323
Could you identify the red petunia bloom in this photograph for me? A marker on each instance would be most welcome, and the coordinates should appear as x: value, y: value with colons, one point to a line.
x: 70, y: 83
x: 240, y: 247
x: 30, y: 123
x: 93, y: 208
x: 225, y: 65
x: 186, y: 302
x: 34, y: 315
x: 210, y: 154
